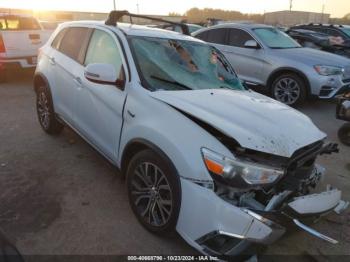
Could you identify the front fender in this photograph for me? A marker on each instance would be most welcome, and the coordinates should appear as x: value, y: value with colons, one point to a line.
x: 172, y: 132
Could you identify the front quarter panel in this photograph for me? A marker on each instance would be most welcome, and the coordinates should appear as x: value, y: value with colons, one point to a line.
x: 163, y: 126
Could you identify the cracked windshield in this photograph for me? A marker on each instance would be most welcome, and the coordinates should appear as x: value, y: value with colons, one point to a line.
x: 168, y: 64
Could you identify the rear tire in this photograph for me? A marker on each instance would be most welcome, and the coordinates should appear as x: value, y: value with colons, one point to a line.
x: 344, y: 134
x: 154, y: 191
x: 289, y: 89
x: 45, y: 110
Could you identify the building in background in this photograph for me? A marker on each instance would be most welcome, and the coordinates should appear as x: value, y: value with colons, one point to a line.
x: 289, y: 18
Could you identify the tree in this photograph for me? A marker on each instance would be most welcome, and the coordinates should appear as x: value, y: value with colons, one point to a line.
x: 174, y: 14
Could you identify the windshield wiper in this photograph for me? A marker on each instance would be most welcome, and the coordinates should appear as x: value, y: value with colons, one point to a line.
x: 174, y: 82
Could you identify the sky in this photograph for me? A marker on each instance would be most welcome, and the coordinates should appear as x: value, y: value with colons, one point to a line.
x: 337, y: 8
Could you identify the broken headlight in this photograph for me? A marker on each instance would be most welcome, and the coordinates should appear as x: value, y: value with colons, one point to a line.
x: 239, y: 173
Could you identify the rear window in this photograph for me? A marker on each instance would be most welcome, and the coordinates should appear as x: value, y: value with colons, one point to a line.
x: 18, y: 23
x: 217, y: 36
x: 72, y: 43
x: 57, y: 41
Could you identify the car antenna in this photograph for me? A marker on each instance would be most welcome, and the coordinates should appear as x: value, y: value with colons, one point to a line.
x: 115, y: 16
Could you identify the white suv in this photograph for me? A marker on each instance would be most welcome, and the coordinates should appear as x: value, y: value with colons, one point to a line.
x: 224, y: 166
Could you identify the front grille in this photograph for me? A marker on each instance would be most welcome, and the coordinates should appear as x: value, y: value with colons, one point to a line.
x: 301, y: 167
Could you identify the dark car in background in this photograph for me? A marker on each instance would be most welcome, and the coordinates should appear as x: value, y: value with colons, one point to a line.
x: 342, y: 31
x: 321, y: 41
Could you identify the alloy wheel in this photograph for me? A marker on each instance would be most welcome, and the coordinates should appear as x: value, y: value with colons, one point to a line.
x: 151, y: 194
x: 287, y: 91
x: 43, y: 110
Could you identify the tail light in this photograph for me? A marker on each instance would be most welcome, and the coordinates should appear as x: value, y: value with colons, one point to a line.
x: 2, y: 45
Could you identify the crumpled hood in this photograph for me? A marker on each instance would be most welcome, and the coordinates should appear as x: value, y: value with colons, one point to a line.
x: 253, y: 120
x: 312, y: 56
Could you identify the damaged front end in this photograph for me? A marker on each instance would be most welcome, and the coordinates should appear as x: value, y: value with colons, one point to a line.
x: 274, y: 191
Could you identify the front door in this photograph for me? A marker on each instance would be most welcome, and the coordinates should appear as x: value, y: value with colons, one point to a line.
x: 100, y: 106
x: 247, y: 62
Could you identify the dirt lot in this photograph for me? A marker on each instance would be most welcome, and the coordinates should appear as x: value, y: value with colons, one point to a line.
x: 59, y: 196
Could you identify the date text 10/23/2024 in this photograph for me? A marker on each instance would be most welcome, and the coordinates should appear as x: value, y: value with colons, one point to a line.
x: 172, y: 258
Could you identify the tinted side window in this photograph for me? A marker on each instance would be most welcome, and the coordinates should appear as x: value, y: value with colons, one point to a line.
x: 238, y: 37
x: 203, y: 36
x: 217, y: 36
x: 73, y: 41
x: 334, y: 32
x: 103, y: 49
x: 57, y: 41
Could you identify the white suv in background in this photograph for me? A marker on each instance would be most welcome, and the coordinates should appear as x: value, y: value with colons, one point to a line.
x: 20, y: 38
x: 222, y: 165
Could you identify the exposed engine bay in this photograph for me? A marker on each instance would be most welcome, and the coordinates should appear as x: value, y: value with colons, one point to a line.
x: 302, y: 174
x: 287, y: 200
x: 286, y: 203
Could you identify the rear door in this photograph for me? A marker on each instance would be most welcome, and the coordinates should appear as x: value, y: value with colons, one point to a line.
x: 100, y: 106
x: 66, y: 60
x: 22, y: 36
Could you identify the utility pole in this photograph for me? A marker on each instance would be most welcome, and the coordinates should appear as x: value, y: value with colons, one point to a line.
x: 323, y: 8
x: 138, y: 7
x: 114, y: 5
x: 290, y: 5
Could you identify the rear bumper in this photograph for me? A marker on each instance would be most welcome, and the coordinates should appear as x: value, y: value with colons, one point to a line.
x: 18, y: 62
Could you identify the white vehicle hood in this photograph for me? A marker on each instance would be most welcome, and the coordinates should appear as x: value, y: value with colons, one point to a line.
x: 255, y: 121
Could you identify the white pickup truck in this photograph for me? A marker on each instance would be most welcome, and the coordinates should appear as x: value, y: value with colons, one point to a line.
x: 20, y: 38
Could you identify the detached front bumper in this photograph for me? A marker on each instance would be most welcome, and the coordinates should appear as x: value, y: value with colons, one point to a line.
x: 218, y: 228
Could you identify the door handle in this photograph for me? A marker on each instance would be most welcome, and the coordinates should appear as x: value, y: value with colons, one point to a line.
x: 78, y: 81
x: 52, y: 61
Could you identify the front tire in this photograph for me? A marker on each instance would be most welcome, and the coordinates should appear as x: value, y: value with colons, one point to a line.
x: 154, y: 191
x: 344, y: 134
x: 289, y: 89
x: 45, y: 111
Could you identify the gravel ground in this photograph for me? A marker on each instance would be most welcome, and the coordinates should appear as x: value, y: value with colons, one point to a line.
x: 59, y: 196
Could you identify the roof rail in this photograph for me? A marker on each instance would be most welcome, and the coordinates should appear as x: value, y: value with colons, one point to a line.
x: 115, y: 15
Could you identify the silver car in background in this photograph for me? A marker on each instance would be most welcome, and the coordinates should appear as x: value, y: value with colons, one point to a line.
x: 264, y: 56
